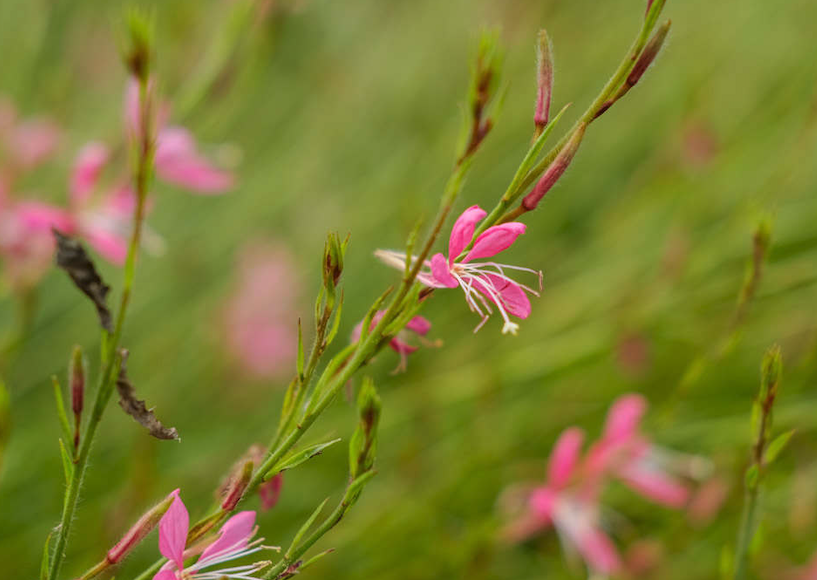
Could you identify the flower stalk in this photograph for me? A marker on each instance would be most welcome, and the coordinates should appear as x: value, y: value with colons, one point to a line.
x: 138, y: 60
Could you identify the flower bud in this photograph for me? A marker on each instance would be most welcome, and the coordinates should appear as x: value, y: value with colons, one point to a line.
x: 363, y: 445
x: 648, y: 55
x: 555, y: 170
x: 544, y: 52
x: 140, y: 529
x: 270, y: 491
x: 137, y: 54
x: 237, y: 487
x: 770, y: 373
x: 333, y: 252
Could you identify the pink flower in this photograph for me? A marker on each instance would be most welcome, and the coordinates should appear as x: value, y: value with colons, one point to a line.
x: 566, y: 506
x: 270, y: 491
x: 418, y: 326
x: 177, y: 158
x: 625, y: 453
x: 234, y: 541
x: 482, y: 282
x: 260, y: 323
x: 27, y: 143
x: 26, y: 248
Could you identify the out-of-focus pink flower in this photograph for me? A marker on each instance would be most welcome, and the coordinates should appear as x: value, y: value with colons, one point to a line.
x: 88, y: 166
x: 708, y: 500
x: 270, y: 491
x: 25, y: 247
x: 417, y: 326
x: 483, y: 283
x: 259, y: 316
x: 628, y: 455
x: 234, y: 541
x: 29, y: 142
x: 569, y: 498
x: 566, y: 506
x: 177, y: 158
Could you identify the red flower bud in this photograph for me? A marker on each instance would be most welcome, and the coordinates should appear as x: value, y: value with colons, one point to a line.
x: 544, y: 52
x: 140, y: 529
x: 555, y: 170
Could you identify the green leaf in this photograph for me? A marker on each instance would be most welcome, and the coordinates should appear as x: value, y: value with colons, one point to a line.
x: 67, y: 463
x: 300, y: 351
x: 44, y: 564
x: 335, y: 321
x: 752, y: 476
x: 304, y: 529
x: 301, y: 456
x: 315, y: 558
x: 777, y: 445
x: 66, y: 427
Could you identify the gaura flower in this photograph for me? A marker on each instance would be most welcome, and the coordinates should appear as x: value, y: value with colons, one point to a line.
x: 176, y: 158
x: 259, y: 324
x: 418, y: 326
x: 234, y: 541
x: 569, y: 507
x: 483, y: 283
x: 627, y: 454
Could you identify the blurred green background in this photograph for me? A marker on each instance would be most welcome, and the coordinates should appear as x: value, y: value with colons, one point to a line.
x: 346, y: 115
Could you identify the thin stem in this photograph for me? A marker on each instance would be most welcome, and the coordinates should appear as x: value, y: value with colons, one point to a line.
x: 110, y: 342
x: 498, y: 214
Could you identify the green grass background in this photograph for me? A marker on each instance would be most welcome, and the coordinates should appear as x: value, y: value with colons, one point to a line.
x: 347, y: 115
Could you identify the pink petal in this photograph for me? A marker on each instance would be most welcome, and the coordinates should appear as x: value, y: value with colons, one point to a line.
x: 463, y: 231
x: 110, y: 246
x: 420, y: 325
x: 624, y: 417
x: 542, y: 501
x: 514, y: 299
x: 179, y: 162
x: 33, y: 141
x: 234, y: 535
x: 654, y: 485
x: 564, y: 456
x: 165, y: 575
x: 439, y: 269
x: 401, y: 347
x: 494, y: 240
x: 87, y: 168
x: 42, y: 216
x: 173, y: 529
x: 271, y: 491
x: 599, y: 551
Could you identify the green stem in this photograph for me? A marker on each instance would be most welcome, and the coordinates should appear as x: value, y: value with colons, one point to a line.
x: 110, y: 343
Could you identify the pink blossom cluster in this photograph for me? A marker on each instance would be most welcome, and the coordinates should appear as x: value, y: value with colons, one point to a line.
x: 96, y: 211
x: 569, y: 499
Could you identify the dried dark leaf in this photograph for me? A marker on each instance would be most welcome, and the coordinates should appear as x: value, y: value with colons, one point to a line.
x: 73, y: 258
x: 136, y: 408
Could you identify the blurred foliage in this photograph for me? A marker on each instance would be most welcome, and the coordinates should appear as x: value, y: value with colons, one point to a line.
x: 346, y: 114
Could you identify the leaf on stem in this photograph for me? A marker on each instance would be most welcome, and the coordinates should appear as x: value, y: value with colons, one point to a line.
x: 136, y: 408
x: 73, y: 258
x: 67, y: 463
x: 299, y: 457
x: 44, y: 565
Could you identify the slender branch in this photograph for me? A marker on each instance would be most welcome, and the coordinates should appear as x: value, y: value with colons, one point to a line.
x: 110, y: 343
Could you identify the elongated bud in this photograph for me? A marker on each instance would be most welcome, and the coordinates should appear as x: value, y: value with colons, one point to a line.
x: 333, y: 252
x: 137, y: 53
x: 649, y: 53
x: 237, y: 487
x: 140, y: 529
x: 270, y: 491
x: 363, y: 445
x: 555, y: 170
x: 544, y: 78
x: 649, y: 5
x: 771, y: 370
x: 644, y: 61
x: 76, y: 377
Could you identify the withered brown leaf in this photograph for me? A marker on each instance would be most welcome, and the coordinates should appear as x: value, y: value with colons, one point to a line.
x: 73, y: 258
x: 136, y: 408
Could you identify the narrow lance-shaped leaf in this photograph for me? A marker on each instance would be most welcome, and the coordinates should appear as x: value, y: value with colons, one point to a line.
x: 61, y: 415
x: 777, y: 445
x: 136, y: 408
x: 305, y: 528
x: 300, y: 457
x: 67, y: 463
x: 44, y: 564
x: 73, y: 258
